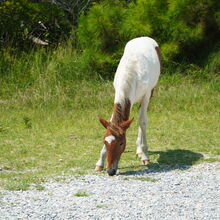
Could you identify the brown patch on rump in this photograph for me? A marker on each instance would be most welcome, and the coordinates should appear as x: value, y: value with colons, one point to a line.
x: 154, y: 92
x: 159, y: 56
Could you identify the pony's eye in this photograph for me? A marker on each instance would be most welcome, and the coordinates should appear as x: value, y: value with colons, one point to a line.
x: 121, y: 144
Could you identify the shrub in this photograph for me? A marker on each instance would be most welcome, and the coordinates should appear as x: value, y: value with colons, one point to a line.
x: 213, y: 62
x: 41, y: 20
x: 99, y: 37
x: 180, y: 27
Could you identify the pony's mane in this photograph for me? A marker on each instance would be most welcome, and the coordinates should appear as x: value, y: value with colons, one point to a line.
x: 121, y: 111
x: 115, y: 129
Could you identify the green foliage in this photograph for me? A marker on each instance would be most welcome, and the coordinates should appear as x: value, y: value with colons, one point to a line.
x: 180, y: 27
x: 98, y: 35
x: 213, y: 63
x: 73, y: 8
x: 22, y: 20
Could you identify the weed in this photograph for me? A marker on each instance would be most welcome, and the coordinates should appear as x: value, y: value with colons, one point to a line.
x: 17, y: 186
x: 2, y: 128
x: 27, y: 122
x: 2, y: 194
x: 81, y: 194
x: 101, y: 206
x: 60, y: 179
x: 39, y: 187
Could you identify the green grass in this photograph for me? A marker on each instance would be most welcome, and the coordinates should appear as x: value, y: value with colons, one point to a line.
x: 49, y: 127
x: 44, y: 141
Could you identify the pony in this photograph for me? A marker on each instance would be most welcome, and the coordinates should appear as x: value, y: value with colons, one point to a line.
x: 134, y: 82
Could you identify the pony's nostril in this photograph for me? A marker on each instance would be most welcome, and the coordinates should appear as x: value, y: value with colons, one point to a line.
x: 111, y: 172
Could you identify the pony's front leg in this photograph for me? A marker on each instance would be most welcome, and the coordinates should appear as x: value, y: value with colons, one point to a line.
x: 101, y: 161
x: 142, y: 139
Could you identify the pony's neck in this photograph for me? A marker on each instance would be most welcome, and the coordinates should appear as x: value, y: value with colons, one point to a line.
x: 121, y: 111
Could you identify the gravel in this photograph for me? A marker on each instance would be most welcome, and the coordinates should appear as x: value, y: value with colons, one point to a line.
x: 184, y: 193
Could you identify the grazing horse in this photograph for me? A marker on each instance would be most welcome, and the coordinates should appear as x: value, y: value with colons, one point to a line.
x: 136, y: 77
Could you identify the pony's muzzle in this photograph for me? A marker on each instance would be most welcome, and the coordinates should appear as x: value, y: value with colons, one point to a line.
x: 111, y: 172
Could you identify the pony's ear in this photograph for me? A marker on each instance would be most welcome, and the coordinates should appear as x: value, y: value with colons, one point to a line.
x: 125, y: 124
x: 104, y: 122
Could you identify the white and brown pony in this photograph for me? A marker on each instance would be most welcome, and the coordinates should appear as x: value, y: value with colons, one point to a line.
x: 136, y: 77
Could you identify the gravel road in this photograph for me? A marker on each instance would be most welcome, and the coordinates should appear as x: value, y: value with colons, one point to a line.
x: 186, y: 193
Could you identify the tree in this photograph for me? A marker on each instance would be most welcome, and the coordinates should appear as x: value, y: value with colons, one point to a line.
x: 73, y: 8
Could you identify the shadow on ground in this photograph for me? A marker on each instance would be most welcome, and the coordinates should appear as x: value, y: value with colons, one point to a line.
x: 167, y: 161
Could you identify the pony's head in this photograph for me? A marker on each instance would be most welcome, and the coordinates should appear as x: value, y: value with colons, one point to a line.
x: 115, y: 142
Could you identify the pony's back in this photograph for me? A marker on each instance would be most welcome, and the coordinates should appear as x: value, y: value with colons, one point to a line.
x: 138, y: 70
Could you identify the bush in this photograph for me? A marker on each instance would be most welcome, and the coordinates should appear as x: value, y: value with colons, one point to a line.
x: 99, y: 37
x: 23, y: 20
x: 180, y: 27
x: 213, y: 62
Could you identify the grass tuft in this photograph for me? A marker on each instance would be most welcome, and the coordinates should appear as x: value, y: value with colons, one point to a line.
x: 17, y: 186
x: 81, y: 194
x: 27, y: 122
x: 39, y: 187
x: 101, y: 206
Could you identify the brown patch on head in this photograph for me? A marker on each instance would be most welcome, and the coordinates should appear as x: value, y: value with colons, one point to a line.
x: 116, y: 127
x: 126, y: 124
x: 119, y: 130
x: 117, y: 146
x: 104, y: 122
x: 114, y: 148
x: 115, y: 130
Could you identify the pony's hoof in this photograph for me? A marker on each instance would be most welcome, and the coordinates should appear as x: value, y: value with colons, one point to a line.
x: 145, y: 162
x: 98, y: 168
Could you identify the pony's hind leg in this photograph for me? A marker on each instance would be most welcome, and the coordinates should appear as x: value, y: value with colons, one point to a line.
x: 142, y: 139
x: 100, y: 162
